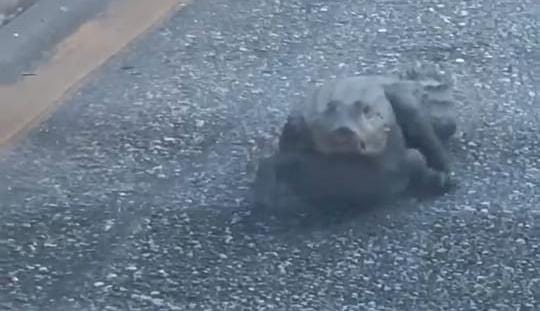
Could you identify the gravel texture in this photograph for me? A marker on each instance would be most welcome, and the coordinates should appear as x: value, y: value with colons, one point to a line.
x: 132, y: 196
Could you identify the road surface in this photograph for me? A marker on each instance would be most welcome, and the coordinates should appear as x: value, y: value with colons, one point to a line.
x: 132, y: 196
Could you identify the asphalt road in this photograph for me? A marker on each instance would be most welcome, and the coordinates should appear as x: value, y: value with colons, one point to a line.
x: 133, y: 195
x: 9, y: 9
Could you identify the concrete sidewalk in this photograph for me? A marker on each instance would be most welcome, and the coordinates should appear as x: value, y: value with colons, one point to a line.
x: 132, y: 195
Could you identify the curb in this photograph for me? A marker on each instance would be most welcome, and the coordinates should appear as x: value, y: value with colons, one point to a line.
x: 48, y: 50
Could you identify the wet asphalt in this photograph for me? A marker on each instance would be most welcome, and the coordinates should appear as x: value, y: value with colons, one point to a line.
x: 133, y: 195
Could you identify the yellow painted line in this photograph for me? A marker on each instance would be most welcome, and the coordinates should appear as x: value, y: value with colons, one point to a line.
x: 30, y: 100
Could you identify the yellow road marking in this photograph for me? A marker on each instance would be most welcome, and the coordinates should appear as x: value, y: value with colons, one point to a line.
x: 30, y: 100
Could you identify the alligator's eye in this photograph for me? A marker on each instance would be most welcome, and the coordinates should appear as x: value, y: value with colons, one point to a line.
x: 331, y: 106
x: 361, y: 106
x: 366, y: 109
